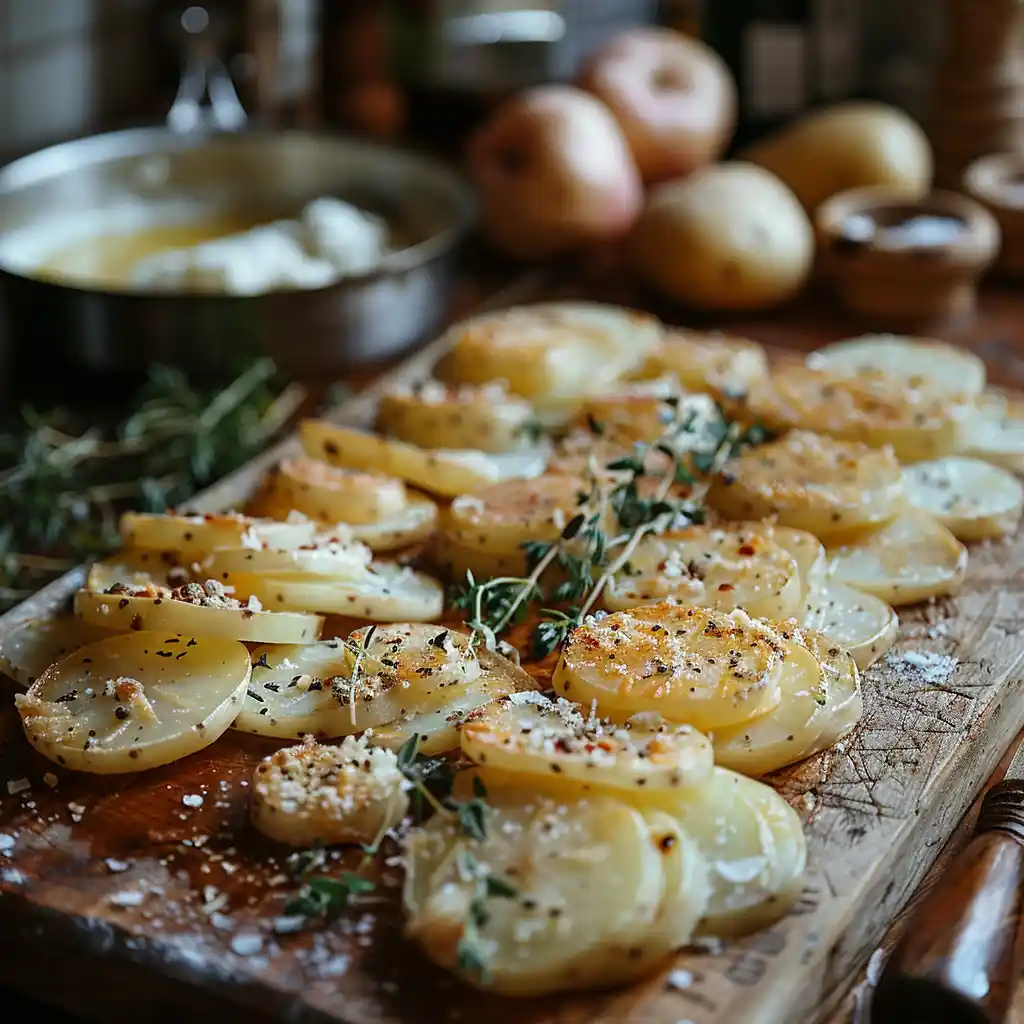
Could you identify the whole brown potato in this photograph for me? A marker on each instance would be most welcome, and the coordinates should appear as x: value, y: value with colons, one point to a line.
x: 849, y: 145
x: 554, y: 173
x: 674, y: 98
x: 731, y: 236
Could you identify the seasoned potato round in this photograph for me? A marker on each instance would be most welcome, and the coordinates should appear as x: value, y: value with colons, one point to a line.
x: 871, y: 407
x: 811, y: 482
x: 430, y: 414
x: 859, y: 622
x: 713, y: 362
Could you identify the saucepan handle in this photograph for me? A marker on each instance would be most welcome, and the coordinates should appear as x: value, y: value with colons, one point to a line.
x: 206, y: 95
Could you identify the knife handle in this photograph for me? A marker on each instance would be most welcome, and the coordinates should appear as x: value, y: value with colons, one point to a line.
x: 958, y: 959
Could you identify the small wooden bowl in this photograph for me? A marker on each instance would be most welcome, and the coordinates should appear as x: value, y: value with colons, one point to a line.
x: 997, y: 182
x: 899, y: 262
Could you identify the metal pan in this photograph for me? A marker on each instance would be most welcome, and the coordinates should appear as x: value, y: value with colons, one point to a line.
x: 207, y: 156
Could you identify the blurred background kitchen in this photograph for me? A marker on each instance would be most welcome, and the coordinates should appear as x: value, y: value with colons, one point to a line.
x: 72, y: 67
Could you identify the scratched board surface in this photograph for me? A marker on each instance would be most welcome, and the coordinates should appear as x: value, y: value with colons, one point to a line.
x: 149, y: 897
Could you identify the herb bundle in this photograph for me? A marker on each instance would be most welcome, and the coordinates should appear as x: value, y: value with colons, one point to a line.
x: 61, y: 487
x: 642, y: 500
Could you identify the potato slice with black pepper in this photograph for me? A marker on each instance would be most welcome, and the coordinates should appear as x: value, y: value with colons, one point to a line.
x: 811, y: 482
x: 859, y: 622
x: 531, y: 736
x: 430, y: 414
x: 973, y: 499
x: 575, y: 888
x: 135, y: 701
x: 873, y: 408
x: 995, y: 431
x: 31, y: 648
x: 706, y: 668
x: 720, y: 364
x: 442, y: 471
x: 713, y: 568
x: 911, y: 559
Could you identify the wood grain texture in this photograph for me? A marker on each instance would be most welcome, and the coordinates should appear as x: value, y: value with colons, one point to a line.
x: 121, y: 900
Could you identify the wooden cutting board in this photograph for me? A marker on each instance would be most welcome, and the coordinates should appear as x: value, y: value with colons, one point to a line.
x: 148, y: 897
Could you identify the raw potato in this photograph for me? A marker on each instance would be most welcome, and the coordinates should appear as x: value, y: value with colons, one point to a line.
x: 911, y: 559
x: 198, y: 615
x: 995, y: 431
x: 873, y: 407
x: 135, y: 701
x: 812, y: 693
x: 301, y: 690
x: 754, y: 847
x: 31, y: 648
x: 712, y: 362
x: 332, y: 494
x: 849, y: 145
x: 386, y: 592
x: 312, y: 794
x: 337, y: 557
x: 430, y: 414
x: 710, y: 567
x: 811, y: 482
x: 550, y: 350
x: 195, y: 536
x: 707, y: 669
x: 587, y: 881
x: 441, y: 471
x: 529, y: 735
x: 918, y: 362
x: 730, y: 236
x: 974, y: 500
x: 860, y: 623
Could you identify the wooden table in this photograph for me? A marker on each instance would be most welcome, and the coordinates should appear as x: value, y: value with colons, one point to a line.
x: 997, y: 334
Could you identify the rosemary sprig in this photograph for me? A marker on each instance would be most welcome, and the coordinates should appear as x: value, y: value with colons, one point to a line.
x: 61, y: 487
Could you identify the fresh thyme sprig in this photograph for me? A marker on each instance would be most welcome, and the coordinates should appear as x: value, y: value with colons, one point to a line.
x: 696, y: 451
x: 61, y: 487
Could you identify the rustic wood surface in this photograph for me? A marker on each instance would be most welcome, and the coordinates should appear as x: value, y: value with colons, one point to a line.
x: 120, y: 900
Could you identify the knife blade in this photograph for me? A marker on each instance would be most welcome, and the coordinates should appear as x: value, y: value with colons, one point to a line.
x: 958, y: 960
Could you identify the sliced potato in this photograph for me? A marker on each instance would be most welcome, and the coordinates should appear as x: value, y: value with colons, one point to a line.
x: 31, y: 648
x: 135, y: 701
x: 437, y: 722
x: 911, y: 559
x: 859, y: 622
x: 301, y: 690
x: 918, y: 362
x: 195, y: 536
x: 447, y: 472
x: 717, y: 363
x: 585, y: 882
x: 845, y: 702
x: 530, y: 735
x: 808, y: 552
x: 313, y: 794
x: 973, y: 499
x: 386, y: 591
x: 430, y: 414
x: 551, y: 350
x: 811, y: 695
x: 872, y: 408
x: 138, y: 568
x: 336, y: 556
x: 705, y: 668
x: 195, y: 609
x: 454, y: 560
x: 332, y: 494
x: 713, y: 568
x: 811, y: 482
x: 754, y: 847
x: 995, y: 431
x: 411, y: 524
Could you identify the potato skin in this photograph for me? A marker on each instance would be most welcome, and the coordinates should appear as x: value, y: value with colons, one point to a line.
x: 849, y: 145
x: 732, y: 236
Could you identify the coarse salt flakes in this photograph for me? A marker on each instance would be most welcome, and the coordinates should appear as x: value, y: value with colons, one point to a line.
x: 680, y: 978
x: 127, y: 898
x: 16, y: 786
x: 247, y: 943
x: 115, y: 866
x: 192, y: 800
x: 6, y: 844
